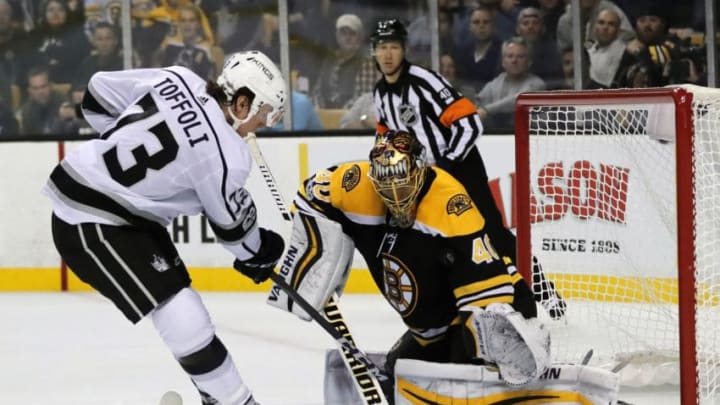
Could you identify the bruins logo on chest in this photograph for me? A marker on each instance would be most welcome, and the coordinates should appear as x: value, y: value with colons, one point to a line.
x: 399, y: 285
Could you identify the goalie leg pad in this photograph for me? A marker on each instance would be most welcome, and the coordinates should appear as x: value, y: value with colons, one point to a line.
x: 498, y: 334
x: 446, y: 383
x: 316, y: 264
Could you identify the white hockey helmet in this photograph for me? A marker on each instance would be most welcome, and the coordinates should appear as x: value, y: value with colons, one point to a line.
x: 255, y: 71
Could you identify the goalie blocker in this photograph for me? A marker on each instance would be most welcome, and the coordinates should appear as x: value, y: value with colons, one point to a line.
x: 425, y: 382
x: 316, y: 264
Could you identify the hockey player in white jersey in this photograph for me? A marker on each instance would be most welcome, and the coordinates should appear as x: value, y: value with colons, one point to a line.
x: 170, y: 144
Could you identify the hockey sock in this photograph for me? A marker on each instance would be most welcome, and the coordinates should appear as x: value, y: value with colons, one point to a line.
x: 185, y: 326
x: 214, y: 373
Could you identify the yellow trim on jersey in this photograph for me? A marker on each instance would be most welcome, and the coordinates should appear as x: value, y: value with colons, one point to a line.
x: 484, y: 285
x: 419, y: 396
x: 358, y: 197
x: 433, y: 208
x: 361, y: 199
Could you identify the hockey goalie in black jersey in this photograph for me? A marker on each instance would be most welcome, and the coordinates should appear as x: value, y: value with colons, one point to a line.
x: 428, y: 252
x: 468, y: 312
x: 170, y: 144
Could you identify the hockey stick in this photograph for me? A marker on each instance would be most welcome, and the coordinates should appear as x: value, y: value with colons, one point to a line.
x: 251, y: 140
x: 366, y: 375
x: 333, y: 325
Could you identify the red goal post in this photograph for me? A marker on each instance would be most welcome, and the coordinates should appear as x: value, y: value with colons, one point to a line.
x: 615, y: 196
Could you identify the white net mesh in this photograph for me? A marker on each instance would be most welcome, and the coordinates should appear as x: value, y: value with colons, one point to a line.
x: 603, y: 217
x: 706, y: 118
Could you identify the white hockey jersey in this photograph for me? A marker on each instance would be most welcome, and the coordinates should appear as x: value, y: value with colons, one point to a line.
x: 165, y: 150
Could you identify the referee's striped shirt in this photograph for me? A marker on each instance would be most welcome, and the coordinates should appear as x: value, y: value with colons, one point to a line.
x: 426, y: 105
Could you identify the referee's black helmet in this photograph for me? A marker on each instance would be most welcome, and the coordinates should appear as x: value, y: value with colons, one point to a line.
x: 389, y: 30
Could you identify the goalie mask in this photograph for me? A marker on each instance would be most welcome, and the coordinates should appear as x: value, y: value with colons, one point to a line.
x: 255, y: 72
x: 397, y: 172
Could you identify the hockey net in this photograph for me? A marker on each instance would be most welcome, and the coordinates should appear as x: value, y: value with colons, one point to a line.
x: 618, y: 193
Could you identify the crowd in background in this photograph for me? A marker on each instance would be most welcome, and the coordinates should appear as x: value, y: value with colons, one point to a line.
x: 491, y: 50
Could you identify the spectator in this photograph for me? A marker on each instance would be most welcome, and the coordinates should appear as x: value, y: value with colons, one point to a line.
x: 66, y: 122
x: 607, y: 51
x: 38, y: 112
x: 373, y: 10
x: 641, y: 74
x: 189, y: 47
x: 14, y: 47
x: 311, y: 35
x: 503, y: 14
x: 648, y: 55
x: 497, y: 98
x: 448, y: 69
x: 147, y: 33
x: 545, y: 58
x: 687, y: 14
x: 105, y: 56
x: 76, y: 11
x: 651, y: 29
x: 77, y: 93
x: 239, y: 21
x: 551, y: 12
x: 361, y: 114
x: 568, y: 66
x: 419, y: 33
x: 349, y: 71
x: 590, y: 11
x: 60, y: 45
x: 445, y: 30
x: 96, y: 11
x: 26, y: 14
x: 8, y: 123
x: 479, y: 61
x: 504, y: 17
x: 168, y: 12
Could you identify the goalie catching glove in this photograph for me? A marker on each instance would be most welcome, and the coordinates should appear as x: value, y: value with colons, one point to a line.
x: 258, y: 267
x: 499, y: 335
x: 316, y: 264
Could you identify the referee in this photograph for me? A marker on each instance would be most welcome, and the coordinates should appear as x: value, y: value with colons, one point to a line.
x: 420, y: 101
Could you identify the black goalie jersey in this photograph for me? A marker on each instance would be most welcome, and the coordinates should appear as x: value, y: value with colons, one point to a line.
x: 445, y: 261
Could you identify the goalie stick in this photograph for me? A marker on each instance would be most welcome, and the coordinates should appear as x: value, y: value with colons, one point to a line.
x: 365, y: 374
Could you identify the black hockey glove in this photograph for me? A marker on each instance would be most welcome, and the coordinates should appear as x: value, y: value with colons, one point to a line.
x: 258, y: 268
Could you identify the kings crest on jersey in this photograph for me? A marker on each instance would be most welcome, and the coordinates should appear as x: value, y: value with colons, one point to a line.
x: 445, y: 260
